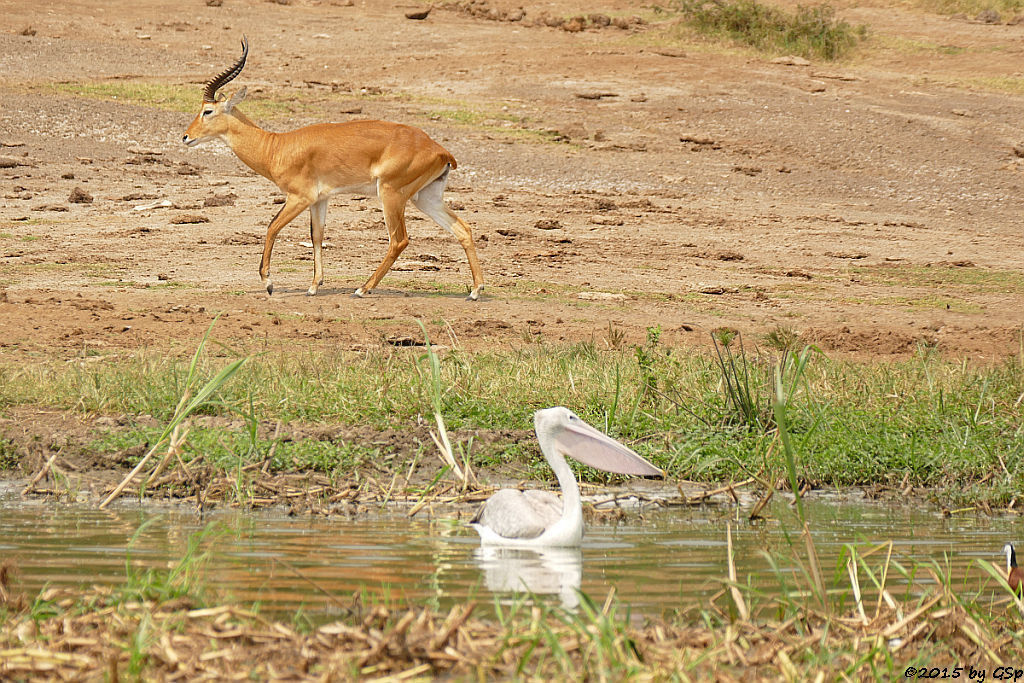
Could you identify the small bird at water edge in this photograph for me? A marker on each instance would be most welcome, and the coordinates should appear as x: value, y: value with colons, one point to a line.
x: 1014, y: 574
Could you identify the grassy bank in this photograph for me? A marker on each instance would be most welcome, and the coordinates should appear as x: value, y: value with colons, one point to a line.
x: 925, y: 422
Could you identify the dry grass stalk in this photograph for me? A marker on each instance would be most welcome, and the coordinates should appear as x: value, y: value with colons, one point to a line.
x: 174, y: 444
x: 40, y: 474
x: 704, y: 495
x: 737, y: 595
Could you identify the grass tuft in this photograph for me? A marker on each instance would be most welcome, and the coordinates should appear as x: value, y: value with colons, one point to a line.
x: 811, y: 32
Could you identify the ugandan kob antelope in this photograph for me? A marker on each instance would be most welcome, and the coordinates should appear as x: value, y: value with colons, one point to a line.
x: 394, y: 162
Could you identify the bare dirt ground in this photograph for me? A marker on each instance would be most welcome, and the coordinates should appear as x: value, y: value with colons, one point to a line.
x: 613, y: 177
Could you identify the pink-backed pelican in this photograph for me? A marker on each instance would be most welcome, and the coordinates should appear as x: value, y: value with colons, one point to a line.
x: 538, y: 518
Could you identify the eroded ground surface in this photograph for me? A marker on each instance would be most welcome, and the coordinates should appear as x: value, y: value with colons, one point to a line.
x: 612, y: 178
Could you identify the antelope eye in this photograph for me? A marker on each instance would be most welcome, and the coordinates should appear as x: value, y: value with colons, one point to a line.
x: 207, y: 112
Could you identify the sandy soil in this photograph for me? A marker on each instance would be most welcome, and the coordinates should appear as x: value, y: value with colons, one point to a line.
x: 613, y: 179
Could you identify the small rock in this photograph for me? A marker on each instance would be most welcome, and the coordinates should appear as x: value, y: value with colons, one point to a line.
x: 27, y: 31
x: 988, y: 16
x: 704, y: 288
x: 700, y: 140
x: 188, y: 219
x: 214, y: 3
x: 406, y: 266
x: 68, y: 176
x: 547, y: 224
x: 729, y: 256
x: 221, y: 200
x: 595, y: 95
x: 607, y: 220
x: 791, y: 60
x: 599, y: 20
x: 163, y: 277
x: 419, y: 16
x: 80, y: 196
x: 575, y: 25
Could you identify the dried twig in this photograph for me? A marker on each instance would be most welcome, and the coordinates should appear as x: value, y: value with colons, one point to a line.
x: 39, y: 475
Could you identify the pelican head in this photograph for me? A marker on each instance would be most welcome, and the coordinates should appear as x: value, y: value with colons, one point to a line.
x: 572, y: 437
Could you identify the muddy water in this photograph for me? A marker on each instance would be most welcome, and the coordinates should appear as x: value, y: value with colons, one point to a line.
x: 669, y: 559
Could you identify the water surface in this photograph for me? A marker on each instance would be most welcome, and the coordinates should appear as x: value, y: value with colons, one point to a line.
x: 667, y: 559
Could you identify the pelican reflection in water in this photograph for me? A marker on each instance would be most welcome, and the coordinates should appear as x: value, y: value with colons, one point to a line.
x: 540, y: 571
x: 538, y: 518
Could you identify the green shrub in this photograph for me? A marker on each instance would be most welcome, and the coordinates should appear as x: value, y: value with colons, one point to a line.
x: 810, y: 32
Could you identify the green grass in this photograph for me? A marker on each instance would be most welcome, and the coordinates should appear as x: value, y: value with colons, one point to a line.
x: 226, y: 448
x: 8, y: 455
x: 160, y: 96
x: 488, y: 121
x: 180, y: 98
x: 945, y: 425
x: 972, y: 279
x: 811, y: 32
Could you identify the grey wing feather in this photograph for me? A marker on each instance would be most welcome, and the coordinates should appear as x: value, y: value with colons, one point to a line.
x: 545, y: 503
x: 518, y: 514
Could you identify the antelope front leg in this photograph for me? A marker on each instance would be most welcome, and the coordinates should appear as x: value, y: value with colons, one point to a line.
x: 293, y: 206
x: 317, y: 220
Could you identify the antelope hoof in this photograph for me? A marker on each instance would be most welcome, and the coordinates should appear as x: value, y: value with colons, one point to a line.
x: 358, y: 294
x: 311, y: 291
x: 270, y: 288
x: 475, y: 294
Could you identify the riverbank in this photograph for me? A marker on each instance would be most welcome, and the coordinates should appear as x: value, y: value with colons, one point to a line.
x: 326, y: 427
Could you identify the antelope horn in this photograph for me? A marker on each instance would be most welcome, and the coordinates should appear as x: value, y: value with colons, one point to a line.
x: 210, y: 91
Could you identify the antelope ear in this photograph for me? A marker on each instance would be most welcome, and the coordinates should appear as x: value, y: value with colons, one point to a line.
x: 235, y: 99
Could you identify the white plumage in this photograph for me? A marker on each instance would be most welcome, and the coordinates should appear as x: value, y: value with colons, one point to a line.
x: 539, y: 518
